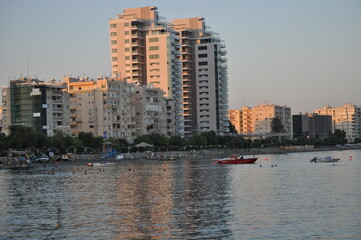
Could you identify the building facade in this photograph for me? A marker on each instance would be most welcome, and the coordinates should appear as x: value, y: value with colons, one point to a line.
x: 146, y: 50
x: 257, y: 121
x: 236, y: 119
x: 184, y: 58
x: 312, y: 125
x: 150, y: 111
x: 42, y: 106
x: 346, y: 118
x: 102, y: 107
x: 205, y: 77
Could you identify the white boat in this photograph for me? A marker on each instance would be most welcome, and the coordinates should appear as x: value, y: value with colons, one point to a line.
x: 103, y: 164
x: 324, y: 159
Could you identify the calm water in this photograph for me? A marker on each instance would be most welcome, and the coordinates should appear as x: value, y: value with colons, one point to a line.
x: 186, y: 199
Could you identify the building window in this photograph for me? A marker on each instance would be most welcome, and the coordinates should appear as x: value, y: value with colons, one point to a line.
x: 115, y: 66
x: 204, y: 55
x: 114, y: 59
x: 154, y: 56
x: 114, y: 50
x: 126, y: 33
x: 113, y: 25
x: 113, y: 34
x: 153, y: 48
x: 114, y: 42
x: 127, y: 57
x: 126, y: 49
x: 154, y: 39
x: 202, y: 63
x: 126, y: 40
x: 126, y: 24
x: 202, y: 48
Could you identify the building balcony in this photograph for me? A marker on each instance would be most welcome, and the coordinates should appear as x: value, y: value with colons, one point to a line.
x: 137, y: 43
x: 137, y: 53
x: 223, y: 59
x: 139, y: 61
x: 223, y: 51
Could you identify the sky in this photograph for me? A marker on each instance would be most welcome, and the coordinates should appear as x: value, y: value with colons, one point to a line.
x: 300, y: 53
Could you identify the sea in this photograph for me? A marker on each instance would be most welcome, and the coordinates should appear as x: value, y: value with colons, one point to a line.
x: 281, y: 196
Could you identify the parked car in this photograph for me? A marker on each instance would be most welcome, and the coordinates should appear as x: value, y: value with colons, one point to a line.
x: 42, y: 159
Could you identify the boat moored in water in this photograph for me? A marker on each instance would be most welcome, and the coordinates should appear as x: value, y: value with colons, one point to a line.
x: 324, y: 159
x: 236, y: 160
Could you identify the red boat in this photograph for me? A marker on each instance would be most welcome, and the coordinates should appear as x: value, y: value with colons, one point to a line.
x: 236, y: 160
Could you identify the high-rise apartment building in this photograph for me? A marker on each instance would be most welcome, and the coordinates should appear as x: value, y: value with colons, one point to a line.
x: 33, y: 103
x: 257, y: 121
x: 346, y: 118
x: 146, y: 50
x: 184, y: 58
x: 205, y: 77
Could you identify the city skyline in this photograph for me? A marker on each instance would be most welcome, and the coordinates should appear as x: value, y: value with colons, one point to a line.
x: 300, y: 54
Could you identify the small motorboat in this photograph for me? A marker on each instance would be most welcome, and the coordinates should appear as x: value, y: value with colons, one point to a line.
x: 324, y: 159
x: 103, y: 164
x: 236, y: 160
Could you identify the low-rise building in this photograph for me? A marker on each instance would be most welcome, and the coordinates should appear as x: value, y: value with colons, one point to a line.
x: 102, y: 107
x: 150, y: 110
x: 257, y: 121
x: 312, y: 125
x: 346, y: 118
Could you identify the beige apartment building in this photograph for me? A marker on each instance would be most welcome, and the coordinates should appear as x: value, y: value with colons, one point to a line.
x: 151, y: 111
x: 257, y: 121
x: 42, y: 106
x: 185, y: 59
x: 146, y: 50
x: 241, y: 119
x: 113, y: 107
x: 102, y: 107
x: 346, y: 118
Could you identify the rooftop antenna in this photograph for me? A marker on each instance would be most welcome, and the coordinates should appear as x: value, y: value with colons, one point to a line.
x: 27, y: 66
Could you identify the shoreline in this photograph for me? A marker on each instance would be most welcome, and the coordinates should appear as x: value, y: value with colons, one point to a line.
x: 202, y: 154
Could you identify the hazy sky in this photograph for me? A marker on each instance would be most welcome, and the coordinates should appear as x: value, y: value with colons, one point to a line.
x: 303, y: 54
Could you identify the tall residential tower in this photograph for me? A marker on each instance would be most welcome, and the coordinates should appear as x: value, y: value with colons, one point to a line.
x: 185, y: 59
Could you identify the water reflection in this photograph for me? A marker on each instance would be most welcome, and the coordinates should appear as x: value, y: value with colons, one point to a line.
x: 186, y: 200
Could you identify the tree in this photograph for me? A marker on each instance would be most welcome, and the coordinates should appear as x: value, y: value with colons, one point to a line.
x: 177, y: 141
x: 232, y: 129
x: 211, y: 137
x: 198, y: 140
x: 276, y: 125
x: 86, y: 138
x: 21, y: 137
x: 2, y: 142
x: 155, y: 139
x: 119, y: 144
